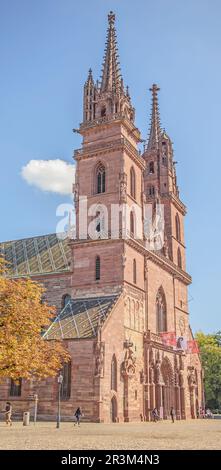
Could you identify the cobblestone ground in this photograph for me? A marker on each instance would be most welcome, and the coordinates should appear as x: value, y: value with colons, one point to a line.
x: 198, y: 434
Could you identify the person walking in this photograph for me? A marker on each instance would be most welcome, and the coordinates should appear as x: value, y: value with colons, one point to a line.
x: 172, y: 414
x: 8, y: 413
x: 78, y: 414
x: 155, y: 415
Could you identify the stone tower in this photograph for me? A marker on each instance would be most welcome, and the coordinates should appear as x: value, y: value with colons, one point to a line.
x: 160, y: 183
x: 109, y: 178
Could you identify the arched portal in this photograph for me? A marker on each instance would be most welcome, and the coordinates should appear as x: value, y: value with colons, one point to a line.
x: 113, y: 410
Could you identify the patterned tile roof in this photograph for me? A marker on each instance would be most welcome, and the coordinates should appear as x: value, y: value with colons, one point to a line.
x: 38, y: 255
x: 80, y: 318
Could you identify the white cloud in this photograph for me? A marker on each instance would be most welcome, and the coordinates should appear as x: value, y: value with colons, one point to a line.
x: 55, y: 176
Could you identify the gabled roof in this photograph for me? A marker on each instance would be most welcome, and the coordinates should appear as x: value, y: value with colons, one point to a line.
x: 38, y: 255
x: 80, y: 318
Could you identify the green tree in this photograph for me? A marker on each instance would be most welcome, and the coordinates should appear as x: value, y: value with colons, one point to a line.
x: 210, y: 349
x: 23, y: 351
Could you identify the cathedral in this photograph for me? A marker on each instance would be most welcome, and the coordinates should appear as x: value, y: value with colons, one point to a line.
x: 120, y: 289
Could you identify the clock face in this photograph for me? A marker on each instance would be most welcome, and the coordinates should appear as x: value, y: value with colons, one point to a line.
x: 182, y: 325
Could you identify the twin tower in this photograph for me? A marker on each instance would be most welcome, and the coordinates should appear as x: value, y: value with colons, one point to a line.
x: 111, y: 170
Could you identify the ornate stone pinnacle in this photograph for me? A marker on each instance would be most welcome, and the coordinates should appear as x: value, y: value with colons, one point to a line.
x: 111, y: 75
x: 111, y: 18
x: 154, y: 89
x: 155, y: 129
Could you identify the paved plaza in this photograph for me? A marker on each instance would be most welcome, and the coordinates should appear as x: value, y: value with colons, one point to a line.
x: 198, y: 434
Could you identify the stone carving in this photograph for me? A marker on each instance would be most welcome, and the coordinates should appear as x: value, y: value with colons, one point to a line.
x: 123, y: 186
x: 151, y: 375
x: 142, y: 376
x: 192, y: 377
x: 99, y: 359
x: 181, y: 379
x: 145, y: 267
x: 128, y: 367
x: 182, y: 326
x: 76, y: 194
x: 124, y: 259
x: 181, y: 363
x: 157, y: 371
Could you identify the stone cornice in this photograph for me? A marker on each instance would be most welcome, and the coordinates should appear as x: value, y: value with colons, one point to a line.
x: 176, y: 201
x: 156, y: 258
x: 103, y: 122
x: 122, y: 144
x: 160, y: 260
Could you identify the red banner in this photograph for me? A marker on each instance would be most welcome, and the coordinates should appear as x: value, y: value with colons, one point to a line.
x: 168, y: 338
x: 192, y: 347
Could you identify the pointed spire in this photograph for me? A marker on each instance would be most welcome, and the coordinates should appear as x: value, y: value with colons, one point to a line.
x: 90, y: 77
x: 111, y: 74
x: 155, y: 130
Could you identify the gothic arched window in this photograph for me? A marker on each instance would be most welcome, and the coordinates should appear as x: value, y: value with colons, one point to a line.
x: 132, y: 183
x: 66, y: 383
x: 177, y: 222
x: 179, y: 258
x: 132, y: 223
x: 114, y: 373
x: 161, y: 311
x: 65, y: 299
x: 134, y: 271
x: 97, y: 268
x: 100, y: 179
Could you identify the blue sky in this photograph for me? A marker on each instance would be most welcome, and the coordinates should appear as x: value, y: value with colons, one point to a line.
x: 46, y: 49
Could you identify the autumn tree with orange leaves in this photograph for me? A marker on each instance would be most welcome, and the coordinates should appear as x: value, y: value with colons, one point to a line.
x: 23, y: 317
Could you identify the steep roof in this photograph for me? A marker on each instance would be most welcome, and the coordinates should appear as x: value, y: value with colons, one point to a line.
x: 38, y: 255
x: 155, y: 130
x: 80, y: 318
x: 111, y: 74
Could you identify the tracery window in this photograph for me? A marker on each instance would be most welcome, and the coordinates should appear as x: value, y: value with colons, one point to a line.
x: 100, y: 179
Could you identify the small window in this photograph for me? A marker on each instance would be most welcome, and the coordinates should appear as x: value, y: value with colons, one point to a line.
x: 132, y: 183
x: 101, y: 179
x: 135, y: 394
x: 97, y: 268
x: 164, y: 160
x: 98, y: 222
x: 151, y: 167
x: 114, y: 373
x: 132, y: 223
x: 177, y: 223
x: 134, y: 271
x: 66, y: 383
x: 179, y: 258
x: 103, y: 111
x: 15, y: 388
x: 151, y: 191
x: 65, y: 299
